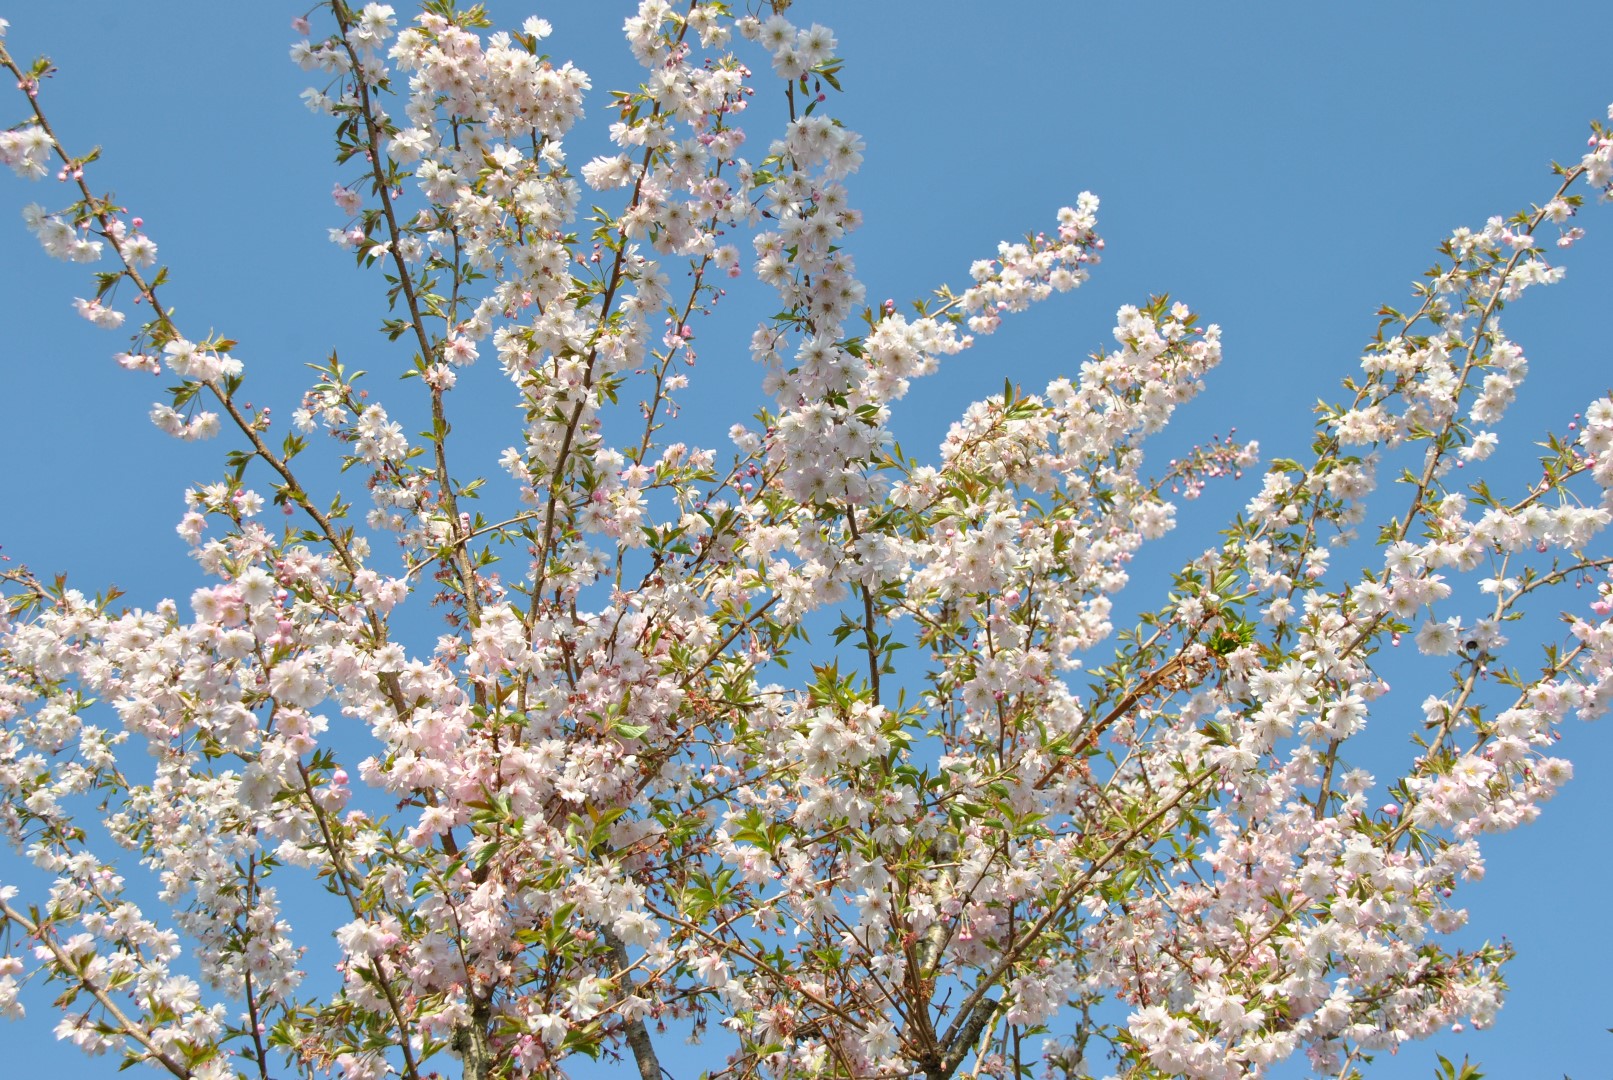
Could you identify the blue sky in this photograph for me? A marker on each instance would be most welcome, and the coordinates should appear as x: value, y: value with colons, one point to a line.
x: 1284, y: 170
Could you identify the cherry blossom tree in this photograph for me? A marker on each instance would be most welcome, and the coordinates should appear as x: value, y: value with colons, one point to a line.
x: 973, y: 828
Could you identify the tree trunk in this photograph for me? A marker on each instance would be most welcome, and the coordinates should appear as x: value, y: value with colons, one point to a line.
x: 638, y: 1036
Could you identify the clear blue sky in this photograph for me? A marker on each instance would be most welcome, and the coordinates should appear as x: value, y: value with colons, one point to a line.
x: 1284, y: 169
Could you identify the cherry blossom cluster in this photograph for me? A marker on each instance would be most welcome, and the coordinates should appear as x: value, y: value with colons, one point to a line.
x: 27, y: 152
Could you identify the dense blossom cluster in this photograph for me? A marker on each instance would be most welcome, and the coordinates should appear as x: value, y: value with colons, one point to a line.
x: 594, y: 808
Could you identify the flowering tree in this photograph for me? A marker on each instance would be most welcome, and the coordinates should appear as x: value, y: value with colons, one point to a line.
x: 603, y: 801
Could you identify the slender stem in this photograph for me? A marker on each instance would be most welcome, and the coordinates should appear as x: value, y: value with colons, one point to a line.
x: 344, y: 875
x: 870, y: 638
x: 252, y: 1016
x: 440, y: 428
